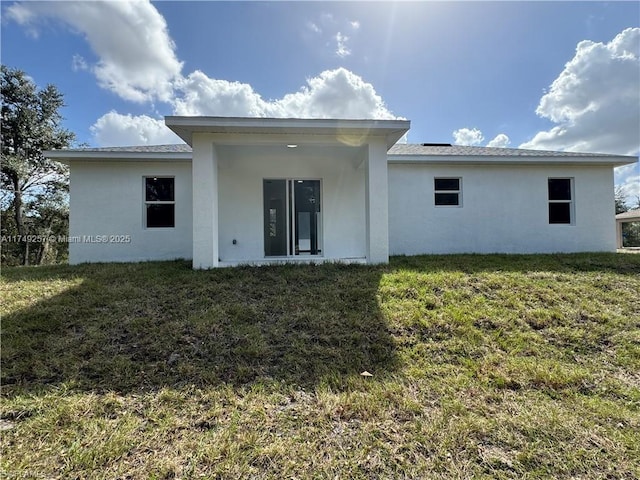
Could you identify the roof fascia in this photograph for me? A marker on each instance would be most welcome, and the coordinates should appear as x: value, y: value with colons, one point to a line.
x: 67, y: 157
x: 240, y: 129
x: 612, y: 161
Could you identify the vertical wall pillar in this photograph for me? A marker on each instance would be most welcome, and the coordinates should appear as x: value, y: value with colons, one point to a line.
x: 205, y: 202
x: 619, y: 240
x: 377, y: 202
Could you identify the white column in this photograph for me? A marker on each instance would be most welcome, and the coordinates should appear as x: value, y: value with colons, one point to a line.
x: 377, y: 202
x: 205, y: 203
x: 619, y: 240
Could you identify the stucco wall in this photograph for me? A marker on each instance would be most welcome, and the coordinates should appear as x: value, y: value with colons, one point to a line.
x: 107, y: 204
x: 241, y: 174
x: 504, y: 209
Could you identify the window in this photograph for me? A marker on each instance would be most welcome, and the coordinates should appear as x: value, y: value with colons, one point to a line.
x: 560, y: 201
x: 447, y: 191
x: 159, y: 202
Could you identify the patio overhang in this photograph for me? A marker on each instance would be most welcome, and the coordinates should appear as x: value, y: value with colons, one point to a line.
x: 288, y: 131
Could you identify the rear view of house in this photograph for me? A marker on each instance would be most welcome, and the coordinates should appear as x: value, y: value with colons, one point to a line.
x: 261, y: 190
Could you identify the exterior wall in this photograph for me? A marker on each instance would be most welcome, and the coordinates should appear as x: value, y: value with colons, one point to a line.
x: 504, y: 209
x: 107, y: 199
x: 240, y: 177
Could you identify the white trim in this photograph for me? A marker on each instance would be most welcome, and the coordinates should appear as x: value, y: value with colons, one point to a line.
x: 66, y: 157
x: 291, y: 130
x: 455, y: 160
x: 458, y: 192
x: 571, y: 202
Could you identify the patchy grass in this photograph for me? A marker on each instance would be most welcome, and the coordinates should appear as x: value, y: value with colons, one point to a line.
x: 483, y: 367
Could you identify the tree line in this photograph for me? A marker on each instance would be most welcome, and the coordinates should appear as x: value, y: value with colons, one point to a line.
x: 34, y: 199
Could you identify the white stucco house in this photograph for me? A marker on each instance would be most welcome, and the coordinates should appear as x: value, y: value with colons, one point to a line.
x: 261, y: 190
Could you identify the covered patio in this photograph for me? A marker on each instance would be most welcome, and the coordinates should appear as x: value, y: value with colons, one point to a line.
x: 622, y: 218
x: 269, y: 190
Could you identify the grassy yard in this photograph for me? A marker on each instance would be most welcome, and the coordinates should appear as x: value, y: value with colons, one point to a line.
x: 483, y: 367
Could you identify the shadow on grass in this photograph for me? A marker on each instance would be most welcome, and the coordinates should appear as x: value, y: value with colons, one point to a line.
x: 131, y: 327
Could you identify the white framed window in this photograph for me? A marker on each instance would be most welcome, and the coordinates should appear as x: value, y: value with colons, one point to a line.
x: 561, y: 210
x: 447, y: 191
x: 159, y: 202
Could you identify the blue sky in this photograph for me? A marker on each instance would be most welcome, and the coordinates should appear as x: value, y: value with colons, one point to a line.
x: 551, y: 75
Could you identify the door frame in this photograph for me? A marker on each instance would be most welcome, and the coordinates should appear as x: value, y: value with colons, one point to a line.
x: 290, y: 223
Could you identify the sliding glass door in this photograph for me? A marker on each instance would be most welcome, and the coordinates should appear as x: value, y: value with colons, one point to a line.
x: 292, y: 217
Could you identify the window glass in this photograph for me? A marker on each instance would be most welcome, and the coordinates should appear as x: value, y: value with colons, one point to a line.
x: 559, y: 213
x: 560, y: 201
x: 159, y: 189
x: 159, y: 202
x: 559, y: 189
x: 447, y: 183
x: 160, y: 215
x: 446, y: 191
x: 446, y: 199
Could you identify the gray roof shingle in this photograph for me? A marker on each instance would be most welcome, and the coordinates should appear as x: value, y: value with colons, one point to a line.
x: 466, y: 151
x: 397, y: 149
x: 170, y: 148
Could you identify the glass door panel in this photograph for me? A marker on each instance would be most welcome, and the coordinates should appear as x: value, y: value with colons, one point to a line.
x: 307, y: 213
x: 275, y: 217
x: 292, y: 220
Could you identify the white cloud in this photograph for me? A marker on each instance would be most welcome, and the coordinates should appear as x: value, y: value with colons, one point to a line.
x: 201, y: 95
x: 500, y: 141
x: 594, y: 101
x: 466, y: 136
x: 137, y: 61
x: 115, y: 129
x: 335, y: 93
x: 342, y: 50
x: 314, y: 27
x: 78, y: 63
x: 136, y: 55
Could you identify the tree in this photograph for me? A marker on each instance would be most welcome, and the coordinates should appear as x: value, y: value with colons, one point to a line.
x: 620, y: 197
x: 34, y: 188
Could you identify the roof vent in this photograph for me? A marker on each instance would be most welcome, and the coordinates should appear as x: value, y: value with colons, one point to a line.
x: 436, y: 144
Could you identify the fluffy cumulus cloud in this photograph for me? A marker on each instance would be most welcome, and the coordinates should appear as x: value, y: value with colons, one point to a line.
x: 136, y: 60
x: 474, y: 137
x: 115, y: 129
x: 199, y: 94
x: 594, y: 101
x: 335, y: 93
x: 468, y: 136
x: 500, y: 141
x: 136, y: 55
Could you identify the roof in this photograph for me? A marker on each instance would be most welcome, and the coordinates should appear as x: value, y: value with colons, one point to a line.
x: 631, y: 215
x: 351, y: 132
x: 398, y: 153
x: 466, y: 155
x: 170, y: 148
x: 463, y: 150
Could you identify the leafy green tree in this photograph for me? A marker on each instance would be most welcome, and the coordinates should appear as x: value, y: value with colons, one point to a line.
x: 34, y: 188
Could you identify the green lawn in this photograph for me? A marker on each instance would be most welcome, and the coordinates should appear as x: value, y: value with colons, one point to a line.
x: 483, y: 367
